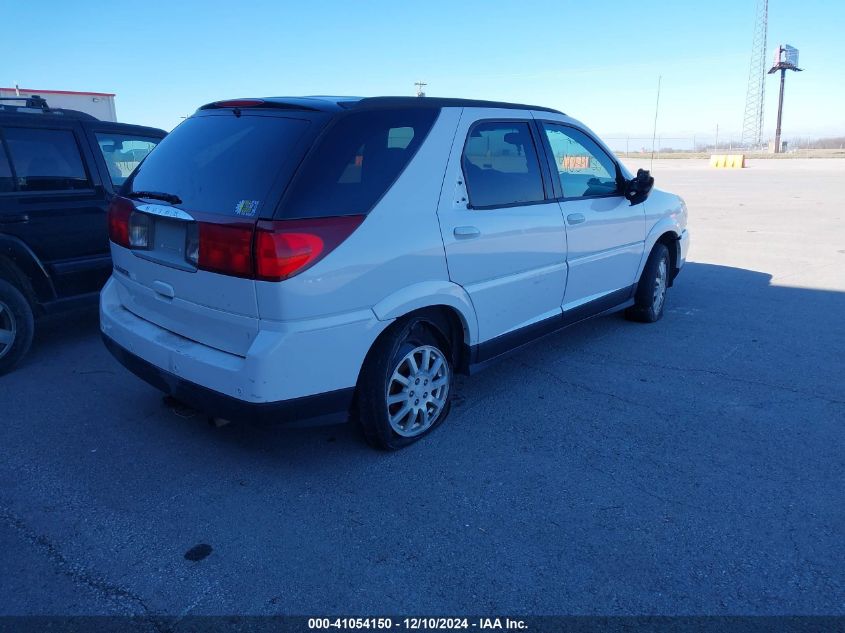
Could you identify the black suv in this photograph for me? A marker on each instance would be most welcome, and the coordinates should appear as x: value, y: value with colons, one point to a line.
x: 58, y: 172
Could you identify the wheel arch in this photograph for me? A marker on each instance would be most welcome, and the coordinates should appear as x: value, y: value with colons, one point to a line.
x: 446, y: 306
x: 430, y: 295
x: 671, y: 241
x: 22, y: 268
x: 668, y: 234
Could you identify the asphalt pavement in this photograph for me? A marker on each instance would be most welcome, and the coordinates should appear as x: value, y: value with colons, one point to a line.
x: 693, y: 466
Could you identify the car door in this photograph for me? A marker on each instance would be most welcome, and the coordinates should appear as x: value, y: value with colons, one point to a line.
x: 57, y: 203
x: 503, y: 233
x: 605, y: 233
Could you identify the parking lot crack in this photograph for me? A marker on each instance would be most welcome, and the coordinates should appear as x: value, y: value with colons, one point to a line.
x: 577, y: 385
x: 76, y: 572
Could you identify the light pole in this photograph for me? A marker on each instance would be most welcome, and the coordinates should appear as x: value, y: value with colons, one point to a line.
x: 786, y: 58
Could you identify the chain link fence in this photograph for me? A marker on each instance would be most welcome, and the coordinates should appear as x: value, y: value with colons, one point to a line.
x: 706, y: 144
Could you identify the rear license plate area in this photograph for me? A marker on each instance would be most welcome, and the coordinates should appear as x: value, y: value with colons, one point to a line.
x: 169, y: 243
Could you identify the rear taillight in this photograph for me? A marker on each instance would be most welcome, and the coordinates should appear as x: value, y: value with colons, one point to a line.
x: 266, y: 250
x: 287, y: 247
x: 225, y: 248
x: 120, y: 210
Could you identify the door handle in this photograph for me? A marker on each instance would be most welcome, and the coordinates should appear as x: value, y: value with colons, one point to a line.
x: 575, y: 218
x: 466, y: 232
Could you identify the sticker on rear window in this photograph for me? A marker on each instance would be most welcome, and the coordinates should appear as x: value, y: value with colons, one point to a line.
x: 246, y: 207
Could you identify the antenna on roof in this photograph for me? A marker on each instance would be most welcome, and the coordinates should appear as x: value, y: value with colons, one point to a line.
x: 420, y: 85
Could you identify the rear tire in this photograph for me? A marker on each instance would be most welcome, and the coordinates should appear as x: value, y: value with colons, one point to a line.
x: 650, y: 298
x: 17, y: 326
x: 405, y: 387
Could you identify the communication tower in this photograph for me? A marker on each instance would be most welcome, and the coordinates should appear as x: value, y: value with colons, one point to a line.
x: 752, y: 123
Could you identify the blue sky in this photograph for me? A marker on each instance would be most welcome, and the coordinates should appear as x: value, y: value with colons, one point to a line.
x: 598, y: 61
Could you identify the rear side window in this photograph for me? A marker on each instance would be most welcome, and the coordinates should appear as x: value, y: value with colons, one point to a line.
x: 356, y: 161
x: 123, y: 153
x: 222, y: 163
x: 500, y: 165
x: 45, y: 160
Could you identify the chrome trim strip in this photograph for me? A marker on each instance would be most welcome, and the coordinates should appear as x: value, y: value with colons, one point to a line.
x: 165, y: 212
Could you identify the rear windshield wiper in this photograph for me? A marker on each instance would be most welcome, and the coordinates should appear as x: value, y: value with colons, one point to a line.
x: 172, y: 198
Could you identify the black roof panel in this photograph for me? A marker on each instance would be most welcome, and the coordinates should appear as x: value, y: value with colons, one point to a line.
x: 440, y: 102
x: 335, y: 103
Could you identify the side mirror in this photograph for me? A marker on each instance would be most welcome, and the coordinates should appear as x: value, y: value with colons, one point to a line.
x: 638, y: 188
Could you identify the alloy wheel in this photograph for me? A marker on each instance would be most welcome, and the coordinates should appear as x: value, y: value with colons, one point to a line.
x: 418, y: 390
x: 660, y: 286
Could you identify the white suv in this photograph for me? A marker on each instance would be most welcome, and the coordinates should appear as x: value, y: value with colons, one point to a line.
x: 290, y: 259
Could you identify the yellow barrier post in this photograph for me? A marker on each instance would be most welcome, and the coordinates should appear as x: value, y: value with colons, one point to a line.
x: 727, y: 161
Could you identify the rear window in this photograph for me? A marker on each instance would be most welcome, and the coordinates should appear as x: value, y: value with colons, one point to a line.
x: 356, y: 161
x: 222, y: 163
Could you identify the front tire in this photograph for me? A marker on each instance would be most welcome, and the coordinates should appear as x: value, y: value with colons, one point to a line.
x: 405, y: 388
x: 17, y: 326
x: 650, y: 298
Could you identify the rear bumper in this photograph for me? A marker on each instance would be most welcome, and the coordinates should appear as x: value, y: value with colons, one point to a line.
x: 325, y: 408
x: 291, y: 371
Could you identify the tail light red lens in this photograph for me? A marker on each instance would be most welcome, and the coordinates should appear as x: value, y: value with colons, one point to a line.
x: 226, y: 248
x: 119, y: 212
x: 267, y: 250
x: 287, y: 247
x: 280, y: 255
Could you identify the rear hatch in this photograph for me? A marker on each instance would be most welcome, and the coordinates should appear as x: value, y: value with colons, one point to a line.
x: 185, y: 223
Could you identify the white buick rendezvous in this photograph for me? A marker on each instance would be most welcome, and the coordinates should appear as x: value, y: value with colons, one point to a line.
x: 317, y: 258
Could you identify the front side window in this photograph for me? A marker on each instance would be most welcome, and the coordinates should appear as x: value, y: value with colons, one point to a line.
x: 500, y: 165
x: 45, y: 160
x: 123, y: 153
x: 585, y: 170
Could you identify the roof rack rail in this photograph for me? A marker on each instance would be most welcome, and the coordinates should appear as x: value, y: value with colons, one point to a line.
x: 37, y: 105
x: 33, y: 101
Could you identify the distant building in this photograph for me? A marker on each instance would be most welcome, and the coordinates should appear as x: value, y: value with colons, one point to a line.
x: 98, y: 104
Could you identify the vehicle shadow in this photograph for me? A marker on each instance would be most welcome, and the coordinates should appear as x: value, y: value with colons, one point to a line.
x: 619, y: 450
x: 64, y: 328
x: 719, y: 320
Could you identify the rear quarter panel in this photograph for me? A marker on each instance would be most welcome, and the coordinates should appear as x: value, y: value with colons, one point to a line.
x: 396, y: 247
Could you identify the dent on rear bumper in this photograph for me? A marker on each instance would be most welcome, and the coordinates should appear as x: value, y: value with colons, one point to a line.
x: 287, y: 360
